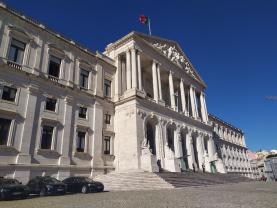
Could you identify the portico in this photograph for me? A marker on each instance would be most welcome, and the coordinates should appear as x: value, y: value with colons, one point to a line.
x: 155, y: 77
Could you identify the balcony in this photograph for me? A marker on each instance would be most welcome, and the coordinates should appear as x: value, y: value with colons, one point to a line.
x: 14, y: 65
x: 53, y: 78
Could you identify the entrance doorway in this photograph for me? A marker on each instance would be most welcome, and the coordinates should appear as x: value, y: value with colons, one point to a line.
x: 151, y: 136
x: 213, y: 167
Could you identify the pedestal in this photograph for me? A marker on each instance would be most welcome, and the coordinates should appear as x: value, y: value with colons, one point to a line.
x: 148, y: 161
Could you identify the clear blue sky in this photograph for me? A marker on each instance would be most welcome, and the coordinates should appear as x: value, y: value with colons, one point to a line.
x: 232, y: 44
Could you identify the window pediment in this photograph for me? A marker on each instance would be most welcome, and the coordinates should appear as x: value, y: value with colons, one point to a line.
x: 83, y: 64
x: 20, y: 34
x: 53, y: 49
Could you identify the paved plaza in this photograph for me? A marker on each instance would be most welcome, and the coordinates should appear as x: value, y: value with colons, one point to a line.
x: 243, y: 195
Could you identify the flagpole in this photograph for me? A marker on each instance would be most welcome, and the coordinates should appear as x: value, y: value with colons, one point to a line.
x: 149, y: 27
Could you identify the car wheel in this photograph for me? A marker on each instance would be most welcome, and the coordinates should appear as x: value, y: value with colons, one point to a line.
x: 24, y: 196
x: 84, y: 189
x: 42, y: 192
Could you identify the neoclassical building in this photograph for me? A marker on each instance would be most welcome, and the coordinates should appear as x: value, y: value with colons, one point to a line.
x: 65, y: 110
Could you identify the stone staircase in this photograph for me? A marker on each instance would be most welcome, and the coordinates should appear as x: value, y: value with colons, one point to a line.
x: 165, y: 180
x: 132, y: 181
x: 186, y: 179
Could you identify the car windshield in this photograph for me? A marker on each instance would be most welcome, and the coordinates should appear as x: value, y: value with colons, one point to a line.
x: 50, y: 180
x: 9, y: 182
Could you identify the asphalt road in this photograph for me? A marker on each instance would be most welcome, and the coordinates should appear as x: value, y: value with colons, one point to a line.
x: 243, y: 195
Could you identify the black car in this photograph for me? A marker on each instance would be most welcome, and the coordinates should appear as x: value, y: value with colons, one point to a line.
x: 46, y: 185
x: 83, y: 185
x: 12, y: 188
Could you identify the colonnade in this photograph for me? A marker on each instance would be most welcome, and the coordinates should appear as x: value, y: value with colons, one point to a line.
x: 195, y: 148
x: 129, y: 76
x: 235, y: 159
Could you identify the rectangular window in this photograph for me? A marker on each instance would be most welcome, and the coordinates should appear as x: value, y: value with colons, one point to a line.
x: 82, y: 112
x: 84, y: 75
x: 54, y: 66
x: 4, y: 130
x: 47, y: 135
x: 107, y: 119
x: 9, y: 93
x: 107, y: 145
x: 107, y: 88
x: 80, y: 143
x: 50, y: 104
x: 16, y: 52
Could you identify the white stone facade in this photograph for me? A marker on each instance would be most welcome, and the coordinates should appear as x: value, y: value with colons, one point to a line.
x: 65, y: 110
x: 231, y: 147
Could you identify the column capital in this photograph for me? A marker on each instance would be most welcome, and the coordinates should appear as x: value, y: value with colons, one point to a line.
x: 192, y: 86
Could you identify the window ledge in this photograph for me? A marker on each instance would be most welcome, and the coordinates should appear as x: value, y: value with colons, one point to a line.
x: 82, y: 155
x: 48, y: 153
x: 107, y: 156
x: 6, y: 148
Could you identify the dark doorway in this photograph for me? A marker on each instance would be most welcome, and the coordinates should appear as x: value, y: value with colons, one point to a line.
x: 150, y: 136
x: 185, y: 150
x: 195, y: 152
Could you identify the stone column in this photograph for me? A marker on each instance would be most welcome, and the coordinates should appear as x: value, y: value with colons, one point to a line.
x: 203, y: 108
x: 118, y: 77
x: 211, y: 149
x: 139, y: 71
x: 190, y: 152
x: 192, y: 101
x: 183, y: 97
x: 123, y: 76
x: 128, y: 69
x: 29, y: 112
x: 171, y: 91
x: 134, y: 68
x: 68, y: 131
x: 155, y: 81
x: 200, y: 150
x: 159, y: 82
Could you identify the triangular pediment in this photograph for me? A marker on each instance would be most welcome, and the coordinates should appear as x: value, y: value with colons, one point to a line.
x: 173, y: 52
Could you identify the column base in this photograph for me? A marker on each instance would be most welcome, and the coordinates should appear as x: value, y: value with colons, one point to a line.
x: 23, y: 159
x: 133, y: 92
x: 161, y: 102
x: 64, y: 160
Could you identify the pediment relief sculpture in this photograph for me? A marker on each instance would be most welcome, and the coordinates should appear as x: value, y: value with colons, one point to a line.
x: 173, y: 54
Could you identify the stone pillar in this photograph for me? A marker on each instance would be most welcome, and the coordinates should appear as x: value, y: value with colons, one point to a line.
x: 171, y: 91
x: 203, y: 108
x: 183, y: 97
x: 155, y: 81
x: 190, y: 152
x: 200, y: 150
x: 178, y: 144
x: 31, y: 99
x: 134, y: 68
x: 139, y: 71
x: 97, y: 134
x: 118, y: 80
x: 68, y: 131
x: 123, y: 75
x: 128, y: 69
x: 159, y: 82
x: 211, y: 149
x: 192, y: 101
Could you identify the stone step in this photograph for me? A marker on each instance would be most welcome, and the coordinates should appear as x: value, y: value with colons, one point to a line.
x: 165, y: 180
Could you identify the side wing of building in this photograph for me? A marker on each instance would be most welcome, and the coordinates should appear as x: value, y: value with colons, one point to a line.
x: 56, y: 113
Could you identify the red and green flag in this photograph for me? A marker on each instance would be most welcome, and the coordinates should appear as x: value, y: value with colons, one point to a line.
x: 146, y: 21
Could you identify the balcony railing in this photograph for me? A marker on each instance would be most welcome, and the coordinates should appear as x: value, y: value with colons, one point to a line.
x: 14, y: 65
x: 53, y: 78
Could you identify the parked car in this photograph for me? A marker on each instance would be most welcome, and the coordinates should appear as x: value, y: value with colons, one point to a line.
x: 12, y: 188
x: 46, y: 185
x: 83, y: 185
